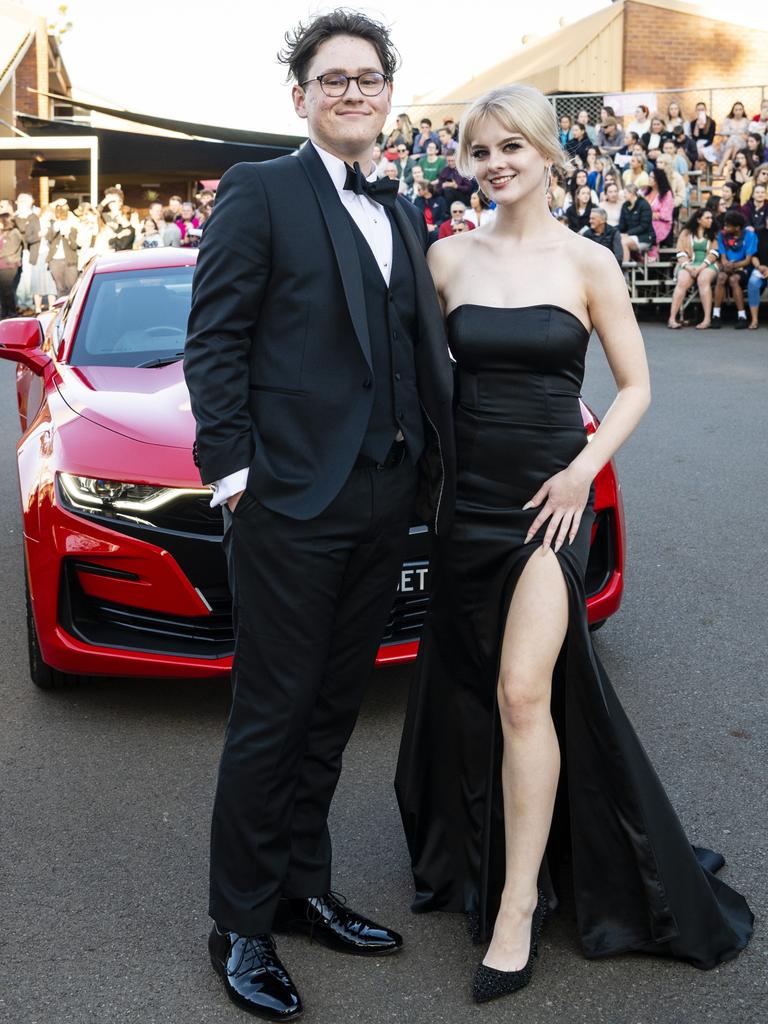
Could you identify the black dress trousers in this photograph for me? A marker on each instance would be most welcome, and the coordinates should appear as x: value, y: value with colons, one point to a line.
x: 311, y: 599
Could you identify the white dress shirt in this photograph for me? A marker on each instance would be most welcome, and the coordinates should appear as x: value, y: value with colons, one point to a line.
x: 374, y: 224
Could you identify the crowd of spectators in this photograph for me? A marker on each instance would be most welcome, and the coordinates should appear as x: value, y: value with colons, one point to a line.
x: 43, y: 250
x: 630, y: 187
x: 627, y: 187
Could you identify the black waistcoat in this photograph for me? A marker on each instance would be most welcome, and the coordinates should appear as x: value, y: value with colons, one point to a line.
x: 393, y: 327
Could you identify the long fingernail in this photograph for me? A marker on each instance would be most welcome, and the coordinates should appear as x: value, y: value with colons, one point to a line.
x: 557, y: 547
x: 526, y: 506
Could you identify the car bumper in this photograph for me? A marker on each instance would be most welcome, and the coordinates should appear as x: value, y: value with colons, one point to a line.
x: 139, y: 601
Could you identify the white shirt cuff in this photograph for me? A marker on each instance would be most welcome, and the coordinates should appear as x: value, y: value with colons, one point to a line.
x: 227, y: 486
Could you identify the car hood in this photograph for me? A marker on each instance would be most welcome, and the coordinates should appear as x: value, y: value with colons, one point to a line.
x: 149, y: 405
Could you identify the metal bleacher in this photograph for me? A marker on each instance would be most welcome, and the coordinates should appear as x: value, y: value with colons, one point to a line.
x: 651, y: 281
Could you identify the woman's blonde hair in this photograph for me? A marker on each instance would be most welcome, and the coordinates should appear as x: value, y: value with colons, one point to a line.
x: 519, y: 108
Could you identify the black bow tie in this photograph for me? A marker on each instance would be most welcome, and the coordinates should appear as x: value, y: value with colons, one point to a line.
x: 383, y: 190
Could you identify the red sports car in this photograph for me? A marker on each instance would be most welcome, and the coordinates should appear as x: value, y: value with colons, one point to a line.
x: 125, y: 571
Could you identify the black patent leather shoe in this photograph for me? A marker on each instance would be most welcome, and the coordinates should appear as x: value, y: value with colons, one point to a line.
x: 327, y: 920
x: 491, y: 984
x: 253, y: 976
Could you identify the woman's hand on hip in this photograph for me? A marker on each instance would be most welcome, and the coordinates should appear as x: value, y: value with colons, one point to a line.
x: 561, y: 500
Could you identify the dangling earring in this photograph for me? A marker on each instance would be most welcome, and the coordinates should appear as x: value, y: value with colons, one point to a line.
x: 547, y: 178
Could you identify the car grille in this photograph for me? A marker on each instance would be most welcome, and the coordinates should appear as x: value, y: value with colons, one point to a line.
x: 189, y: 513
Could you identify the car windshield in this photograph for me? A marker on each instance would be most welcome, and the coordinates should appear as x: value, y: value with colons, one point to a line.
x: 134, y: 318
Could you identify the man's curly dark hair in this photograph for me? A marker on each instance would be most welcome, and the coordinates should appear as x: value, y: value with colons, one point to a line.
x: 302, y: 42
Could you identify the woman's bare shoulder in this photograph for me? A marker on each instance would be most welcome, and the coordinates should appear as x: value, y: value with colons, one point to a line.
x: 447, y: 252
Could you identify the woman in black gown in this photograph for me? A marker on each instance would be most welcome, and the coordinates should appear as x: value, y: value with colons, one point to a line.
x: 516, y: 753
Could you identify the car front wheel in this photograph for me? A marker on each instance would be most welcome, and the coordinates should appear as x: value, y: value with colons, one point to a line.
x: 42, y: 675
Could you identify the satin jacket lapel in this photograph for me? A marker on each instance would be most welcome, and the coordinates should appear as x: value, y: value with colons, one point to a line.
x: 428, y: 305
x: 431, y: 320
x: 343, y: 243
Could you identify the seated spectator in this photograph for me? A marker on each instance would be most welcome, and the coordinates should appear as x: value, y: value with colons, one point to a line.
x: 605, y: 113
x: 608, y: 171
x: 736, y: 246
x: 403, y: 132
x: 759, y: 123
x: 642, y: 121
x: 11, y: 249
x: 417, y: 177
x: 424, y: 136
x: 450, y: 124
x: 451, y: 185
x: 716, y: 206
x: 447, y: 142
x: 404, y: 164
x: 624, y: 155
x: 577, y: 145
x: 697, y: 259
x: 685, y: 145
x: 662, y: 202
x: 636, y: 174
x: 599, y: 230
x: 760, y: 177
x: 171, y: 230
x: 755, y: 151
x: 665, y: 163
x: 391, y: 173
x: 556, y: 190
x: 576, y: 181
x: 582, y: 118
x: 610, y: 136
x: 669, y: 148
x: 565, y: 129
x: 457, y: 223
x: 579, y: 210
x: 433, y: 207
x: 480, y: 212
x: 635, y: 223
x: 738, y: 171
x: 379, y: 161
x: 730, y: 193
x: 755, y: 209
x: 432, y: 163
x: 594, y: 169
x: 674, y: 116
x: 733, y: 134
x: 653, y: 139
x: 702, y: 130
x: 611, y: 204
x: 758, y: 277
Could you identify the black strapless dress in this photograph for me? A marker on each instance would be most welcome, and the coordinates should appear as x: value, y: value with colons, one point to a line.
x: 638, y: 883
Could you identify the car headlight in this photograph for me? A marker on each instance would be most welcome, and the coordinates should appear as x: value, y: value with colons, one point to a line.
x: 116, y: 498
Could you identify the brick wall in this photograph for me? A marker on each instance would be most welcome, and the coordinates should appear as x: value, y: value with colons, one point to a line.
x: 667, y: 50
x: 27, y: 103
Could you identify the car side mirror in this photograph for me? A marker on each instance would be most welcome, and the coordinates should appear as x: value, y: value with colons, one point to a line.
x: 20, y: 341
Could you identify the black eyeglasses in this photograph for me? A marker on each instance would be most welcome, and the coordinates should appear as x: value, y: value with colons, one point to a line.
x: 333, y: 83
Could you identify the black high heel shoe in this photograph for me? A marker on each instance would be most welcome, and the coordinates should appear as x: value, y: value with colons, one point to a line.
x: 490, y: 983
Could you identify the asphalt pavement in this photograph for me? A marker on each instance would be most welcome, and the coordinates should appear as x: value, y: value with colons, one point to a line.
x: 107, y: 788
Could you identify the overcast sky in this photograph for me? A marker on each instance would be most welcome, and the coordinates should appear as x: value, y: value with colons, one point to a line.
x: 214, y: 61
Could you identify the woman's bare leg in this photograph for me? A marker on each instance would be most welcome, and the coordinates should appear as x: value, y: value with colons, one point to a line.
x: 533, y: 636
x: 704, y: 281
x: 684, y: 282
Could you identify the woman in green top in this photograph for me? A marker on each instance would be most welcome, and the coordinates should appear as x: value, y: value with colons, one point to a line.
x: 697, y: 259
x: 432, y: 163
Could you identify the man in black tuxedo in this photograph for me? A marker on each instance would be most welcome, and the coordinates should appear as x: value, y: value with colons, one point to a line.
x: 321, y: 386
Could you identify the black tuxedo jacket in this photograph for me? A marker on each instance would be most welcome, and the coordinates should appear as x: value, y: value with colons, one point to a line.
x: 278, y: 359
